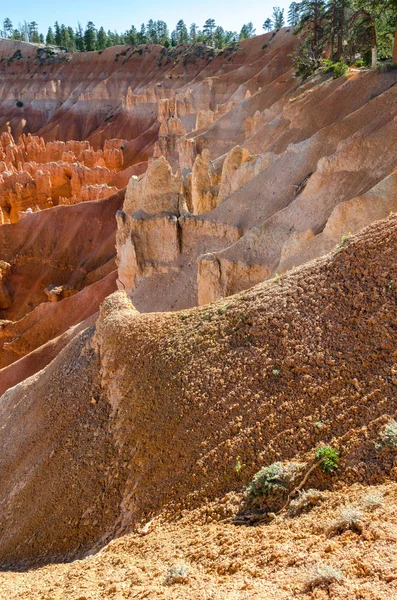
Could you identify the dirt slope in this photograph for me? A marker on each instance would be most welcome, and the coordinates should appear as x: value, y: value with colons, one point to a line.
x: 156, y: 422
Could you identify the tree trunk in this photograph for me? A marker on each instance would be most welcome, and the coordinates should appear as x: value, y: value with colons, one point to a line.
x: 395, y: 47
x: 341, y: 29
x: 374, y: 46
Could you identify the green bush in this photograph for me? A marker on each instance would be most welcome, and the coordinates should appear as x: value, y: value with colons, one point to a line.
x: 339, y: 69
x: 328, y: 458
x: 276, y: 479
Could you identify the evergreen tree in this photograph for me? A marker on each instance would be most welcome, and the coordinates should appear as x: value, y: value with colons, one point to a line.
x: 278, y: 17
x: 79, y: 38
x: 182, y: 36
x: 219, y: 37
x: 151, y: 32
x: 142, y: 39
x: 247, y: 31
x: 57, y: 29
x: 293, y: 14
x: 193, y: 33
x: 8, y: 27
x: 90, y: 37
x: 102, y: 39
x: 17, y: 35
x: 267, y: 25
x: 208, y: 31
x: 162, y: 33
x: 33, y: 33
x: 50, y: 38
x: 132, y: 37
x: 230, y: 37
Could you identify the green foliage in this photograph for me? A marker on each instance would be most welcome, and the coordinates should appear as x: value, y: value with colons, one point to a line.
x: 328, y: 458
x: 305, y: 61
x: 274, y: 480
x: 344, y: 240
x: 339, y: 68
x: 155, y: 32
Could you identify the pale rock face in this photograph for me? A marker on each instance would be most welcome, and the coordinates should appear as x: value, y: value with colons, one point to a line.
x: 204, y: 119
x: 234, y: 159
x: 204, y: 184
x: 157, y: 191
x: 147, y: 228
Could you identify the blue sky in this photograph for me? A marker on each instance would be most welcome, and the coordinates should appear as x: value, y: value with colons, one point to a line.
x: 121, y: 14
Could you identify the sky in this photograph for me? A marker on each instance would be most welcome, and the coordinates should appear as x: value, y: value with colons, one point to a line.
x: 121, y: 14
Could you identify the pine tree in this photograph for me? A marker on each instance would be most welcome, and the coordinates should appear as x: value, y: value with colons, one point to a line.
x: 142, y: 39
x: 247, y: 31
x: 267, y: 25
x: 278, y: 17
x: 293, y: 14
x: 102, y: 39
x: 182, y: 36
x: 79, y: 39
x: 151, y: 32
x: 33, y: 33
x: 193, y: 33
x: 57, y: 29
x: 50, y: 39
x: 90, y: 37
x: 208, y: 31
x: 219, y: 37
x: 8, y: 27
x: 162, y: 33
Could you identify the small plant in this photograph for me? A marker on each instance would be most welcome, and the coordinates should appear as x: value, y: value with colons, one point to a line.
x: 19, y: 103
x: 305, y: 501
x: 349, y: 518
x: 276, y: 372
x: 207, y: 316
x: 339, y: 69
x: 388, y: 436
x: 372, y: 501
x: 274, y: 480
x: 239, y: 465
x: 328, y: 458
x: 177, y: 573
x: 223, y: 309
x: 323, y: 576
x: 390, y: 285
x: 344, y: 240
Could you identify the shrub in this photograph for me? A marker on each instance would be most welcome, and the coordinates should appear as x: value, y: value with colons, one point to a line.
x: 19, y: 103
x: 349, y: 518
x: 340, y: 69
x: 388, y: 436
x: 305, y: 61
x: 177, y: 573
x: 323, y: 576
x: 274, y: 480
x: 328, y: 458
